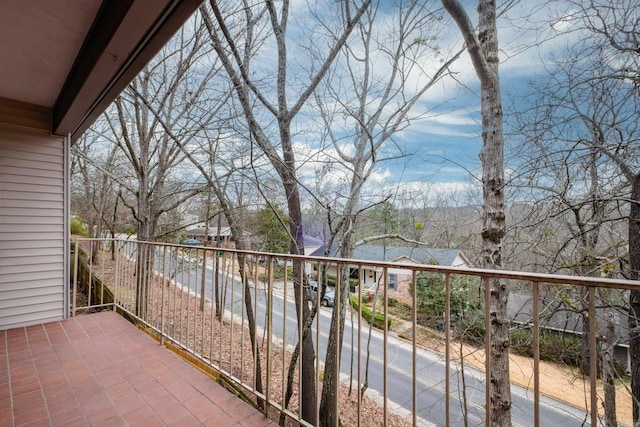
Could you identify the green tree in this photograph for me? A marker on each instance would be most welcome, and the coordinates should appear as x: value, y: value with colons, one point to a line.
x: 431, y: 294
x: 271, y: 229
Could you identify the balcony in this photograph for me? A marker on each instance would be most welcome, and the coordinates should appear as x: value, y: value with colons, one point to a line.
x: 195, y: 301
x: 99, y: 369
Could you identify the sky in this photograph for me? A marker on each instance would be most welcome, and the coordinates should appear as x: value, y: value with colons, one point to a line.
x: 441, y: 148
x: 455, y: 133
x: 438, y: 152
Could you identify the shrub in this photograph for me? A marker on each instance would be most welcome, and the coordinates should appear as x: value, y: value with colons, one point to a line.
x: 554, y: 346
x: 377, y: 321
x: 331, y: 280
x: 78, y: 226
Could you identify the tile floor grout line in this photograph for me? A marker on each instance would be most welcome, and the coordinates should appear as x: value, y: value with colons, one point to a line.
x: 35, y: 367
x: 6, y: 343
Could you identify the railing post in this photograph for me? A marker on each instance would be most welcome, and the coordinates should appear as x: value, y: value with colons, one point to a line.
x: 269, y: 334
x: 164, y: 285
x: 414, y: 348
x: 487, y: 348
x: 447, y: 351
x: 385, y: 358
x: 360, y: 276
x: 536, y: 354
x: 593, y: 363
x: 75, y: 277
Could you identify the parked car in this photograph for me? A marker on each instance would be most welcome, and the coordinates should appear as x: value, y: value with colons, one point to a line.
x: 193, y: 242
x: 329, y: 295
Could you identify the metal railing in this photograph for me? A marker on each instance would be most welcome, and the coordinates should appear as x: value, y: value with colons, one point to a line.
x: 236, y: 311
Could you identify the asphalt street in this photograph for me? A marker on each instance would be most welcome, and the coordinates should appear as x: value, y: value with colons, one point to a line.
x: 430, y: 367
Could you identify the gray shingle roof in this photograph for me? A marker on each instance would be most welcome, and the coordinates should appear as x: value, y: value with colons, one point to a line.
x: 422, y: 255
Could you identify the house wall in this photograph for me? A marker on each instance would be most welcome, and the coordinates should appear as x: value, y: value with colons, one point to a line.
x: 33, y: 221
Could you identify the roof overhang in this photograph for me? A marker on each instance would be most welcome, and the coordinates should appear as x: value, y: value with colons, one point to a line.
x: 76, y: 56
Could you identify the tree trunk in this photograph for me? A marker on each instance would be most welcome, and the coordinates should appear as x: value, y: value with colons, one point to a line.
x: 483, y: 50
x: 308, y: 356
x: 329, y: 401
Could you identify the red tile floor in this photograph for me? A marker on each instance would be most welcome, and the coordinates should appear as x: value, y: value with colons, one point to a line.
x: 100, y: 370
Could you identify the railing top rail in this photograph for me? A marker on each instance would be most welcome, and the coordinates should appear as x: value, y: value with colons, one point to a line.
x: 559, y: 279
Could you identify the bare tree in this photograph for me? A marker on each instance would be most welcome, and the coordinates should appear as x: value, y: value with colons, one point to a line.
x: 364, y: 101
x: 235, y: 38
x: 586, y: 115
x: 95, y: 180
x: 483, y: 50
x: 615, y: 27
x: 166, y: 95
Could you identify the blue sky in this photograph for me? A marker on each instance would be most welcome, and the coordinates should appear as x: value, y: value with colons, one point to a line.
x: 445, y: 146
x: 442, y: 146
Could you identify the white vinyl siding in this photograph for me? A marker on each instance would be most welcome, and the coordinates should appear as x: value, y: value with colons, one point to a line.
x: 32, y: 217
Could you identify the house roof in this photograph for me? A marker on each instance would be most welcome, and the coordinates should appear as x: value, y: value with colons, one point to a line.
x: 311, y: 241
x: 75, y: 56
x: 213, y: 231
x: 421, y: 255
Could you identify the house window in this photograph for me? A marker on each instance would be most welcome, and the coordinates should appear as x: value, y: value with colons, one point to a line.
x: 393, y: 282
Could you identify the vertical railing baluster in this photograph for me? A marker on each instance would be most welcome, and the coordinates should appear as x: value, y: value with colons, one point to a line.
x: 593, y: 363
x: 229, y: 280
x: 203, y: 298
x: 385, y: 409
x: 255, y: 323
x: 284, y: 331
x: 316, y: 303
x: 181, y: 313
x: 487, y: 349
x: 115, y: 274
x: 90, y: 265
x: 336, y: 312
x: 244, y: 282
x: 303, y: 300
x: 447, y: 350
x: 214, y: 273
x: 189, y: 293
x: 536, y: 354
x: 164, y: 285
x: 414, y: 349
x: 269, y: 334
x: 196, y: 303
x: 223, y: 297
x: 102, y: 276
x: 75, y: 278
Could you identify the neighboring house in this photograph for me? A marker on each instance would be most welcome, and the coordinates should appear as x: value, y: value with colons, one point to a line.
x: 397, y: 279
x: 213, y: 237
x: 63, y: 63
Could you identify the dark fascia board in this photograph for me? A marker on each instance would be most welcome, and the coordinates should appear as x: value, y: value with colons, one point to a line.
x: 105, y: 24
x: 85, y: 108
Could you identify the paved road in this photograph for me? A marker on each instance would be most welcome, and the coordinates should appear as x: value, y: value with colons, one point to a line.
x: 430, y: 367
